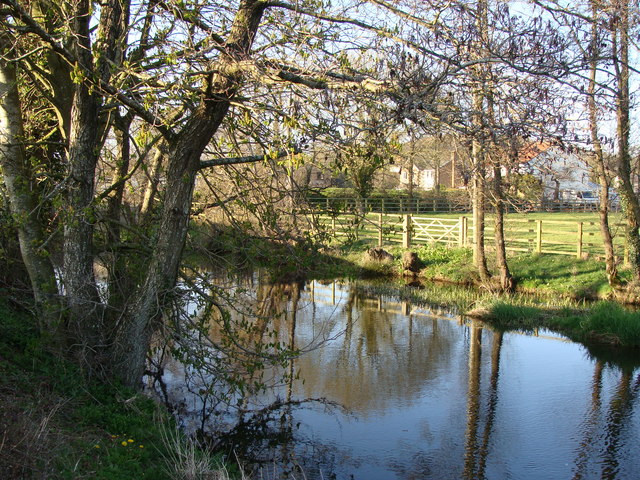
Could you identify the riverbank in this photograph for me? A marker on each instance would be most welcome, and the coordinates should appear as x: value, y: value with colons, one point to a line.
x: 56, y: 424
x: 561, y: 293
x: 569, y: 296
x: 554, y: 275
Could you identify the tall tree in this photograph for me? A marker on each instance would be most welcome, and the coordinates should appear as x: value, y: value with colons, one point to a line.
x: 18, y: 179
x: 481, y: 137
x: 621, y: 26
x: 187, y: 66
x: 595, y: 53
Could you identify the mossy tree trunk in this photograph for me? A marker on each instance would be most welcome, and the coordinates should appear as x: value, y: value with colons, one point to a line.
x: 144, y: 312
x: 17, y: 175
x: 507, y: 282
x: 630, y: 202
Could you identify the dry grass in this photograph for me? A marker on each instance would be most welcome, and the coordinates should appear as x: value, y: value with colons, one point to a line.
x: 187, y: 460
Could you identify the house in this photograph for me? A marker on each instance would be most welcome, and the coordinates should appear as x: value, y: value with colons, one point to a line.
x: 319, y: 177
x: 317, y: 172
x: 564, y: 175
x: 451, y: 174
x: 423, y: 178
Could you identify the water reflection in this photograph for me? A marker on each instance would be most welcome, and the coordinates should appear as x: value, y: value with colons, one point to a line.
x: 388, y: 390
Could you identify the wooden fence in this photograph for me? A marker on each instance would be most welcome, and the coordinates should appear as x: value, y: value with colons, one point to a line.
x: 579, y: 239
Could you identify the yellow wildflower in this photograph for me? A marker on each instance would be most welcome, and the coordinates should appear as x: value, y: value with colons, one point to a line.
x: 130, y: 440
x: 124, y: 443
x: 141, y: 446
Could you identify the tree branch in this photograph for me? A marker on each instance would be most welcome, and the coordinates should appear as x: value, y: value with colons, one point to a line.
x: 192, y: 17
x: 217, y: 162
x: 88, y: 74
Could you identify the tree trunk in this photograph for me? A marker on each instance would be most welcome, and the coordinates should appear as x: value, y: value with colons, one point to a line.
x: 121, y: 274
x: 478, y: 192
x: 23, y: 206
x: 630, y: 203
x: 144, y: 312
x: 58, y: 73
x: 507, y: 282
x: 132, y: 340
x: 152, y: 182
x: 86, y: 323
x: 80, y: 288
x: 479, y: 145
x: 599, y: 163
x: 410, y: 191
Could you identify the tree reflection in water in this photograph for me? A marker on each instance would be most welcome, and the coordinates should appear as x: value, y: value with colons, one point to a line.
x: 389, y: 390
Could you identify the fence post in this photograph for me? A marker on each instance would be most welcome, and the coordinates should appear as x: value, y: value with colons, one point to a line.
x: 333, y: 225
x: 579, y: 246
x: 380, y: 230
x: 538, y: 236
x: 406, y: 232
x: 418, y: 205
x: 461, y: 232
x: 465, y: 231
x: 327, y: 204
x: 401, y: 205
x: 383, y: 210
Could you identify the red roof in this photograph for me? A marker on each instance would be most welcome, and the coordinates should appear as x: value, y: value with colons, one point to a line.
x: 532, y: 150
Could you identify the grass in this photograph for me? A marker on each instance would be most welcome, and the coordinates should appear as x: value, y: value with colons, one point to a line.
x: 611, y: 323
x: 554, y: 292
x: 55, y: 424
x: 602, y: 323
x: 561, y: 275
x: 552, y: 275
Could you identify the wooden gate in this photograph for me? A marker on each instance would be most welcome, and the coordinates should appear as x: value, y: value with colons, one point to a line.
x: 437, y: 230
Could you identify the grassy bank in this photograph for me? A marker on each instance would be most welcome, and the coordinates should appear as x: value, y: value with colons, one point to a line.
x: 563, y: 294
x: 553, y: 291
x: 603, y: 322
x: 553, y: 275
x: 54, y: 424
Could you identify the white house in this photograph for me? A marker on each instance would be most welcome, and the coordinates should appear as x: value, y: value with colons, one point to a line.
x: 565, y: 175
x: 422, y: 178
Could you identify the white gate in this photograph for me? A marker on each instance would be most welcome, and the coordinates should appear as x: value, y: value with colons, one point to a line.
x: 431, y: 230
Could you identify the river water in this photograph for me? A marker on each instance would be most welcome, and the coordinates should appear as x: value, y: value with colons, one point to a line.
x: 388, y: 390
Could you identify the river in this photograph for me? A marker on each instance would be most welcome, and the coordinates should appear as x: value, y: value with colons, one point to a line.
x: 387, y: 390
